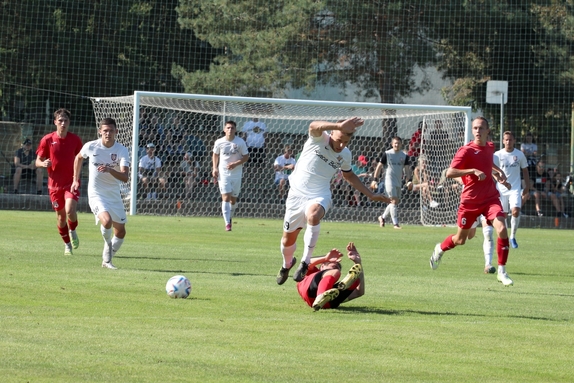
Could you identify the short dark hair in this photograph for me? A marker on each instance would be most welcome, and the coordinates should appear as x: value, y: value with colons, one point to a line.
x: 62, y: 112
x: 232, y: 123
x: 483, y: 119
x: 108, y: 121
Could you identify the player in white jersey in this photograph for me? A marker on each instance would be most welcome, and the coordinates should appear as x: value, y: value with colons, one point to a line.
x: 309, y: 197
x: 229, y: 155
x: 395, y: 161
x: 109, y: 166
x: 513, y: 162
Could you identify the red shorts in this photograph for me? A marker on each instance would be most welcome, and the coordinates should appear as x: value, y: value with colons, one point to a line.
x: 58, y: 196
x: 468, y: 213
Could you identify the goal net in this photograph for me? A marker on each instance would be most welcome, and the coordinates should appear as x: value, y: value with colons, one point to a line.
x: 182, y: 128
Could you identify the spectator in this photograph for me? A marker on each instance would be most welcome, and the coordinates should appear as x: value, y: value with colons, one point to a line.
x: 435, y: 144
x: 254, y: 133
x: 415, y: 142
x: 284, y: 165
x: 150, y: 172
x: 530, y: 150
x: 541, y: 189
x: 189, y: 169
x: 362, y: 171
x: 421, y: 184
x: 25, y: 166
x: 559, y: 191
x: 194, y: 145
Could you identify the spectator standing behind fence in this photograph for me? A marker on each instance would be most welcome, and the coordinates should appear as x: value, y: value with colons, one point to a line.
x: 189, y: 169
x: 530, y: 150
x: 255, y: 133
x: 415, y: 142
x: 229, y: 155
x: 435, y: 145
x: 284, y: 165
x: 56, y: 153
x: 25, y: 166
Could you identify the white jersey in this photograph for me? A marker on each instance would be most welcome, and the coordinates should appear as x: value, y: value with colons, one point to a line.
x: 230, y: 151
x: 104, y: 186
x: 512, y: 164
x: 255, y: 133
x: 316, y: 166
x: 282, y: 162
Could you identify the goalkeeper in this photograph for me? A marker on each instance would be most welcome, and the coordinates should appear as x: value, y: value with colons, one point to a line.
x: 396, y: 162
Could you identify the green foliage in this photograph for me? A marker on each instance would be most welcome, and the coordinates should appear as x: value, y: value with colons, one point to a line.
x: 528, y: 44
x: 66, y: 319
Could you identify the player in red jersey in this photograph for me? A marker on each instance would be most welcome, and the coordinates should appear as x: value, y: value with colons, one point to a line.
x: 474, y: 164
x: 56, y: 152
x: 321, y: 288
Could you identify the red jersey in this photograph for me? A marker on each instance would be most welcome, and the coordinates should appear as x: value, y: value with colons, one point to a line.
x: 61, y: 151
x: 473, y: 156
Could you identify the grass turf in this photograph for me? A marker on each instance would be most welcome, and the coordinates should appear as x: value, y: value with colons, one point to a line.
x: 65, y: 319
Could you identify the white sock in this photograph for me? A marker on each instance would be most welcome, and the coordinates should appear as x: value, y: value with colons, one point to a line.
x: 310, y: 240
x: 287, y: 253
x: 116, y: 243
x: 501, y: 269
x: 487, y: 244
x: 233, y: 206
x: 394, y: 214
x: 226, y: 210
x: 387, y: 211
x: 514, y: 222
x: 107, y: 234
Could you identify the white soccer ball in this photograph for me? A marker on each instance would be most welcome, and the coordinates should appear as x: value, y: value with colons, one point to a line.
x: 178, y: 287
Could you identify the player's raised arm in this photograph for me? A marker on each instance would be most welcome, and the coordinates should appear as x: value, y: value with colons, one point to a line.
x: 349, y: 126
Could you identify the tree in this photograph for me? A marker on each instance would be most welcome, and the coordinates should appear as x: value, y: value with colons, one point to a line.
x: 527, y: 44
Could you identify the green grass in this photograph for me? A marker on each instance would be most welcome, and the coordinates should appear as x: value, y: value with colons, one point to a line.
x: 65, y: 319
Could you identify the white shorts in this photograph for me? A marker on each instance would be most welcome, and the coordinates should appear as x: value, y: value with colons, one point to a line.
x: 296, y: 209
x: 512, y: 198
x: 393, y: 191
x: 230, y: 186
x: 115, y: 208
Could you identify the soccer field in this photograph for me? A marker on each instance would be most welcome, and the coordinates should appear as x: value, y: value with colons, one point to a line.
x: 66, y: 319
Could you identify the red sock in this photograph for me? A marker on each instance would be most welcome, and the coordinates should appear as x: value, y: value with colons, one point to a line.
x: 447, y: 244
x: 64, y: 233
x: 326, y: 284
x: 72, y: 225
x: 502, y: 250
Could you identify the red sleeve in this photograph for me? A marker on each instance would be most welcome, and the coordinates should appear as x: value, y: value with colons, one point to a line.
x: 43, y: 149
x: 458, y: 161
x: 312, y: 270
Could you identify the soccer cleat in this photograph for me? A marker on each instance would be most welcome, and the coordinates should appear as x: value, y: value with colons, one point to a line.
x: 300, y: 272
x: 433, y: 204
x: 107, y: 253
x: 324, y: 298
x: 381, y: 221
x: 68, y: 249
x: 397, y: 226
x: 489, y: 269
x: 504, y: 279
x: 513, y: 243
x: 350, y: 278
x: 228, y: 227
x: 539, y: 212
x: 75, y: 239
x: 435, y: 257
x: 109, y: 265
x: 284, y: 273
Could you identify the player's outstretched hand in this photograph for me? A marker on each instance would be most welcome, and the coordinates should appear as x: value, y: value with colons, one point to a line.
x: 352, y: 253
x: 349, y: 126
x: 333, y: 256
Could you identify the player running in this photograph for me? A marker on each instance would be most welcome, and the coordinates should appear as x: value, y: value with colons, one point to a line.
x: 474, y: 163
x: 56, y: 153
x: 109, y: 166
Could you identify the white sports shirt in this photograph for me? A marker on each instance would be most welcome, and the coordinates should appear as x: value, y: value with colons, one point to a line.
x: 316, y: 166
x: 103, y: 185
x: 230, y: 151
x: 282, y: 161
x: 512, y: 164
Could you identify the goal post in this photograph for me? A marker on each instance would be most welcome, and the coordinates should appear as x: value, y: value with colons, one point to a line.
x: 183, y: 128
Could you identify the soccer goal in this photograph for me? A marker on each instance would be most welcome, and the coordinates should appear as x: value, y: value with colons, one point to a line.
x: 182, y: 128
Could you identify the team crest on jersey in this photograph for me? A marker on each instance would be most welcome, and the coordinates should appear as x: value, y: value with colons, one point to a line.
x: 114, y: 157
x: 55, y: 205
x: 514, y: 158
x: 339, y: 159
